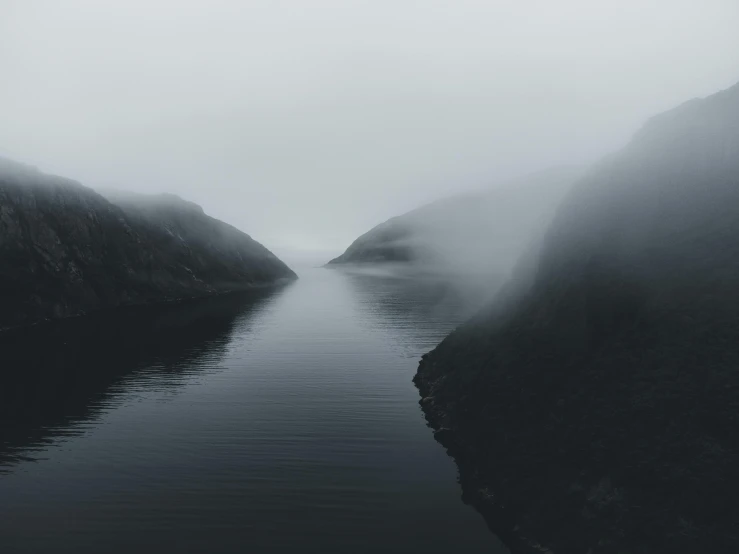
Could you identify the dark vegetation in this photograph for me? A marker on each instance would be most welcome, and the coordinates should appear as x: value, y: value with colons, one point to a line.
x: 65, y: 250
x: 594, y: 407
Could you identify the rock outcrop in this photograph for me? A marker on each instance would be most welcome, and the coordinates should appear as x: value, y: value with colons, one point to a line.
x: 594, y: 406
x: 65, y: 250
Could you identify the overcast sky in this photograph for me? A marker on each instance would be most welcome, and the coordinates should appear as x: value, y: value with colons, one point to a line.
x: 306, y: 122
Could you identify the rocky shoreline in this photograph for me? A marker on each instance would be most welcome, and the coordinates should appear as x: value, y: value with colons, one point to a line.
x: 144, y: 304
x: 478, y: 489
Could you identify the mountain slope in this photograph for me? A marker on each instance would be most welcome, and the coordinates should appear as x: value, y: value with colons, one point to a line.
x: 66, y: 250
x: 483, y: 232
x: 598, y: 410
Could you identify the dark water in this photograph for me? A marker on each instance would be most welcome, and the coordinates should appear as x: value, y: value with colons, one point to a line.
x: 275, y: 421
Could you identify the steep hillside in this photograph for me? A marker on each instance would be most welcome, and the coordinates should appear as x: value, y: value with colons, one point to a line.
x: 597, y: 411
x: 480, y: 233
x: 66, y: 250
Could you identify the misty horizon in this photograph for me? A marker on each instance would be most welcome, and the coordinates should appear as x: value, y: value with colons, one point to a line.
x: 307, y: 126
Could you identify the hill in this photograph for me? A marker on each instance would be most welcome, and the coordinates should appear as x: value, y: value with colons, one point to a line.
x: 479, y: 233
x: 65, y: 250
x: 594, y: 406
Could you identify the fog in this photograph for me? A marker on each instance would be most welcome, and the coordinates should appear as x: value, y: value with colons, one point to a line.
x: 475, y: 238
x: 305, y: 124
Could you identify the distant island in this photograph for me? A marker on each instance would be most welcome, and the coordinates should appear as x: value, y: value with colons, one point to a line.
x: 593, y: 407
x: 482, y: 233
x: 67, y: 250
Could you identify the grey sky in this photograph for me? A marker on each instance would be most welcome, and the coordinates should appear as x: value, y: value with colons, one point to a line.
x: 306, y: 122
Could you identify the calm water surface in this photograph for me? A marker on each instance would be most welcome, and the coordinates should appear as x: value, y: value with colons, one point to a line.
x: 275, y: 421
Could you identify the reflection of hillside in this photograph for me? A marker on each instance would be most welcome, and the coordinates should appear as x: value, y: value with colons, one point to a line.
x: 59, y: 375
x: 424, y: 308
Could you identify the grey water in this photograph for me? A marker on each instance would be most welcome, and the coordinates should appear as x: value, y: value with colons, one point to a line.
x: 279, y: 420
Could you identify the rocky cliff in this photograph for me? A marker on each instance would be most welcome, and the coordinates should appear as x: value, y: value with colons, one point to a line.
x: 65, y: 250
x: 594, y: 406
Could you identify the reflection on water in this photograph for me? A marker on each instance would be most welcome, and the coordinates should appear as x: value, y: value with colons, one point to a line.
x: 275, y: 421
x: 58, y: 376
x: 423, y: 311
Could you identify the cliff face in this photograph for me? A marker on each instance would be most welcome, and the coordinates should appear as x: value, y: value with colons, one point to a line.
x: 66, y: 250
x: 480, y: 233
x: 595, y: 408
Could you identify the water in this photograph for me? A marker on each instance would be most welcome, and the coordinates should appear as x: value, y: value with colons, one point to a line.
x: 275, y: 421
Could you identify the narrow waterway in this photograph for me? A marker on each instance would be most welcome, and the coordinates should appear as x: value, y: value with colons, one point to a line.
x: 276, y: 421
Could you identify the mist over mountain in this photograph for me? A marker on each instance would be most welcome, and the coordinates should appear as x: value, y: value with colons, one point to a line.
x: 507, y: 207
x: 481, y: 233
x: 592, y: 407
x: 67, y: 250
